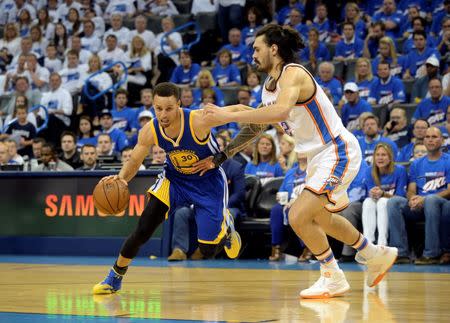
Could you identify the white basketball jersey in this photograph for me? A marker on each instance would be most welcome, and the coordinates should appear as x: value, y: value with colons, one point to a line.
x: 313, y: 123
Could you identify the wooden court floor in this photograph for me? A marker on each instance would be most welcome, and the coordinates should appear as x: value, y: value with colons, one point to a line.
x: 218, y: 295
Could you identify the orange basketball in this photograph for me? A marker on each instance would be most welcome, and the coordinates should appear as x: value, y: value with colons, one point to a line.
x: 111, y: 197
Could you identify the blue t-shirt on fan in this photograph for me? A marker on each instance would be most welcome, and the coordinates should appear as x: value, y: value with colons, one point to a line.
x: 394, y: 183
x: 430, y: 176
x: 264, y: 170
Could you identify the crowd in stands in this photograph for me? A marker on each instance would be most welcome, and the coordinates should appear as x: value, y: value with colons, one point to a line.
x: 65, y: 104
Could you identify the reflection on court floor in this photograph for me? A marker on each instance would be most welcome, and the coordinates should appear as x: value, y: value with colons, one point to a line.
x: 212, y: 291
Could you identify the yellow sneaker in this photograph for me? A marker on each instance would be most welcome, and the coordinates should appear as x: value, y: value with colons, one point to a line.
x: 111, y: 284
x: 233, y: 244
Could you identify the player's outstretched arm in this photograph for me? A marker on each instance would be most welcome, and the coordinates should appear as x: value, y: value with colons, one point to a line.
x: 290, y: 84
x: 204, y: 124
x: 246, y: 135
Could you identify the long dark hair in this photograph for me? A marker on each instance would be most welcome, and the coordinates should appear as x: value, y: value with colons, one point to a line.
x: 286, y: 38
x: 91, y: 132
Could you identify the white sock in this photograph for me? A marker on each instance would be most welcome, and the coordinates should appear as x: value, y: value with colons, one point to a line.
x: 366, y: 248
x: 327, y: 260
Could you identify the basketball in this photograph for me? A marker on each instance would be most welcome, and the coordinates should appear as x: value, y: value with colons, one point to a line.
x: 111, y: 197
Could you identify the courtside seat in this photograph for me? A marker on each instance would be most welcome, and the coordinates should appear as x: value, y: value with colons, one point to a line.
x: 350, y: 70
x: 255, y: 228
x: 252, y: 188
x: 408, y: 84
x: 183, y: 6
x: 182, y: 19
x: 258, y: 217
x: 338, y: 69
x: 267, y: 197
x: 154, y: 24
x: 230, y: 94
x: 331, y: 48
x: 381, y: 111
x: 207, y: 21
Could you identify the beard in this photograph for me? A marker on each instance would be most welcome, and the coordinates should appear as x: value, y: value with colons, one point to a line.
x: 263, y: 68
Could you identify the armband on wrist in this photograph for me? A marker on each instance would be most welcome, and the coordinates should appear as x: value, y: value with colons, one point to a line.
x: 219, y: 158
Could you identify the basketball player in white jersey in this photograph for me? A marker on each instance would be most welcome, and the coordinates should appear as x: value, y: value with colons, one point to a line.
x: 292, y: 98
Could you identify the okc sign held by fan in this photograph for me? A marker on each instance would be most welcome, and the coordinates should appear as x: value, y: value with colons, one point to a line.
x: 83, y: 205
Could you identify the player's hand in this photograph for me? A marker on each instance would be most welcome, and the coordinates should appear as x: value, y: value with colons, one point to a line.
x: 203, y: 165
x: 113, y: 178
x: 214, y: 114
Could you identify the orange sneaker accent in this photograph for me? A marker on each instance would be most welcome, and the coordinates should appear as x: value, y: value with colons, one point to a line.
x: 381, y: 276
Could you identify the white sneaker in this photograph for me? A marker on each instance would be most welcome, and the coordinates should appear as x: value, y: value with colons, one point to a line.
x: 331, y: 283
x: 379, y: 264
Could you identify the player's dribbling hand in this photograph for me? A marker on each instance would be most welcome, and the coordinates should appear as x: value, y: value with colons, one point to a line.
x: 113, y: 178
x: 203, y: 165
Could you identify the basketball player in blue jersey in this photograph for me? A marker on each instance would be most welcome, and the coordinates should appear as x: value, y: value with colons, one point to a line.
x: 293, y: 98
x: 186, y: 138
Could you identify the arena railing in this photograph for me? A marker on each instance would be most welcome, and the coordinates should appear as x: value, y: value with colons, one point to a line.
x: 113, y: 88
x: 34, y: 108
x: 185, y: 46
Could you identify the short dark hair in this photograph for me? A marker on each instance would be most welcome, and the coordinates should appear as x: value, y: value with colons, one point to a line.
x: 348, y: 23
x: 420, y: 33
x: 186, y: 89
x: 167, y: 89
x: 185, y: 52
x: 50, y: 146
x: 377, y: 120
x: 20, y: 107
x: 121, y: 91
x: 111, y: 36
x: 38, y: 140
x: 287, y: 39
x: 383, y: 62
x: 381, y: 24
x: 68, y: 133
x: 126, y: 149
x: 23, y: 78
x: 435, y: 79
x: 421, y: 119
x: 245, y: 88
x: 422, y: 21
x: 87, y: 146
x: 73, y: 52
x: 105, y: 135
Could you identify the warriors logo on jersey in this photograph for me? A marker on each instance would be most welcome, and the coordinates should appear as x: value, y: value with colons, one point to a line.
x: 183, y: 160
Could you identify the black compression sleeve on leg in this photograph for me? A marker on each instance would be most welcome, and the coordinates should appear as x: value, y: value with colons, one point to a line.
x: 150, y: 219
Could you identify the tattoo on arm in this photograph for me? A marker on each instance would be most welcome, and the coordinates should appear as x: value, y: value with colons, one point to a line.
x: 245, y: 136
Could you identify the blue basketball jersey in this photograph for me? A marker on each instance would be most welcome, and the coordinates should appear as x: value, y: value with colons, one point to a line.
x: 185, y: 150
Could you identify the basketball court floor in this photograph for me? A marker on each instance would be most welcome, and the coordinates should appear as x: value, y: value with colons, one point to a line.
x: 58, y: 289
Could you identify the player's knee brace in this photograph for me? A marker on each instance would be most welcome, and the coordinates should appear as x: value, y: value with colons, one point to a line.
x: 150, y: 219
